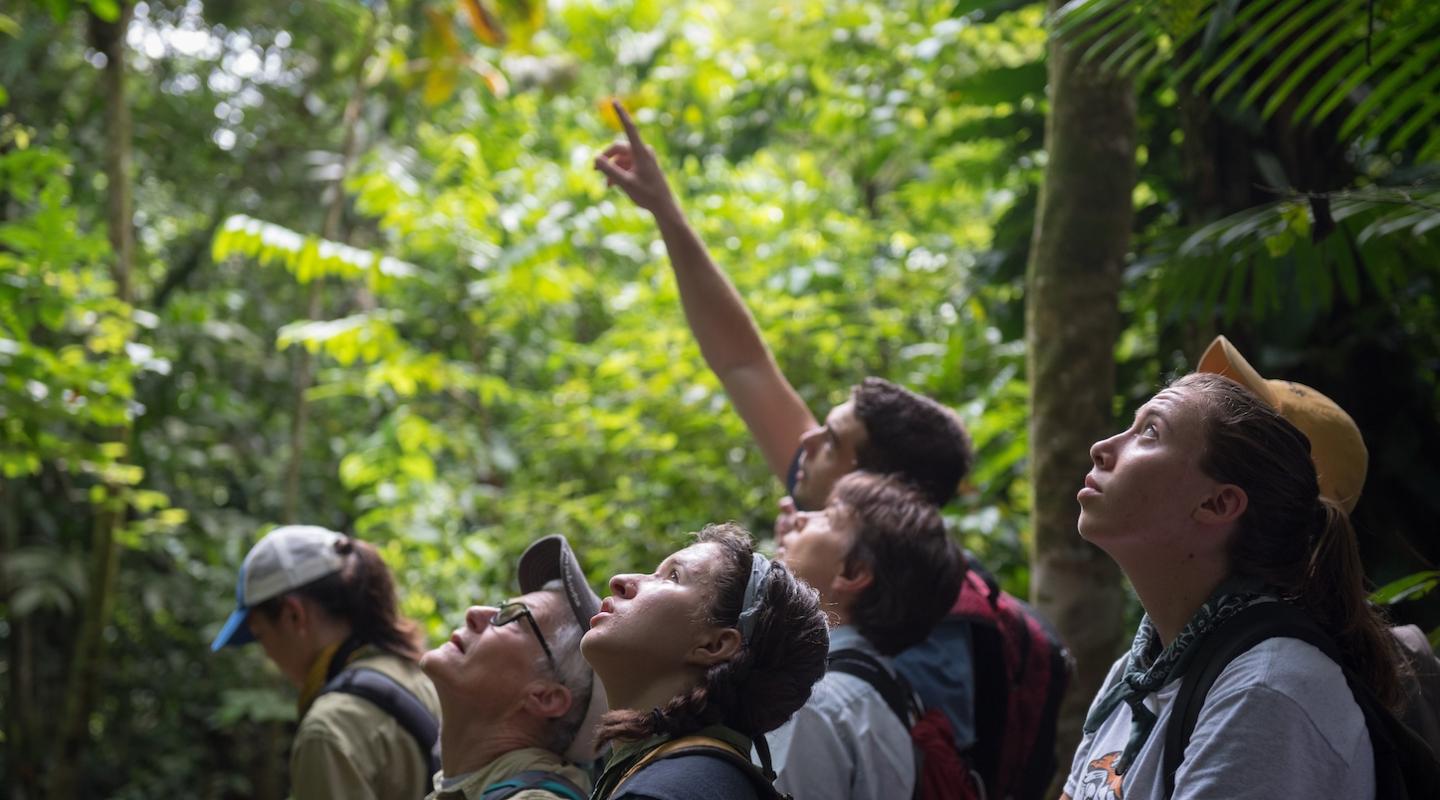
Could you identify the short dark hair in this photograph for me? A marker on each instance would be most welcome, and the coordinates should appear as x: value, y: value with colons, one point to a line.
x: 912, y: 436
x: 769, y: 679
x: 917, y: 569
x: 362, y: 593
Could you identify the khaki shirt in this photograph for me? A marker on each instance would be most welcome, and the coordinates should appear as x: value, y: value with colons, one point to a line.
x: 472, y: 785
x: 346, y: 747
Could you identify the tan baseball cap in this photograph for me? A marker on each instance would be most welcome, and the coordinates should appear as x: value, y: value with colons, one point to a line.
x: 1336, y: 446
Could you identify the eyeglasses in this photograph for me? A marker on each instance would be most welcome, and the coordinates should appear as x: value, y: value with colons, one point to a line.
x: 509, y: 612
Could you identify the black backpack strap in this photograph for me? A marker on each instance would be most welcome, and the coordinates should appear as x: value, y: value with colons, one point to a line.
x: 551, y: 782
x: 992, y: 584
x: 341, y: 657
x: 1402, y: 761
x: 893, y: 689
x: 1235, y: 636
x: 392, y: 698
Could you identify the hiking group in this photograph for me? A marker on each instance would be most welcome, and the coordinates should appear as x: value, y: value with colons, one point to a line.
x: 872, y: 658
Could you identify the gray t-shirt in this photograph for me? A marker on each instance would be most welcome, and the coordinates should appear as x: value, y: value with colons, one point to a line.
x: 1280, y: 721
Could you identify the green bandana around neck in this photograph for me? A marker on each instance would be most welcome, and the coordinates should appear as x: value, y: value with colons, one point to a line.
x: 1151, y: 666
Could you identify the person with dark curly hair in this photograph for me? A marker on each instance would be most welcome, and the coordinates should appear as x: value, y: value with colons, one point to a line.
x: 886, y: 572
x: 700, y: 659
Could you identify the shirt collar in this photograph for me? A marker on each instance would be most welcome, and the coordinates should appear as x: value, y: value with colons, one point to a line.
x: 847, y: 637
x: 473, y: 784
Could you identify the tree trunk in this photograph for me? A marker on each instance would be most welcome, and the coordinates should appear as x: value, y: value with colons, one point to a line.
x: 109, y: 515
x: 21, y: 736
x: 1082, y: 235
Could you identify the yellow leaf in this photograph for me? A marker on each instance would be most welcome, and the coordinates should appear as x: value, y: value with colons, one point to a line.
x: 486, y: 25
x: 608, y: 115
x: 443, y: 30
x: 439, y: 85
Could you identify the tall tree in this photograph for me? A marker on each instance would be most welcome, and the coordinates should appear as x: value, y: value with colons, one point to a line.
x: 1082, y: 234
x: 108, y: 35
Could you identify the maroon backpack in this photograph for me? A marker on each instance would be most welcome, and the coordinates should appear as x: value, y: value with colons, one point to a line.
x: 1021, y: 670
x: 940, y: 770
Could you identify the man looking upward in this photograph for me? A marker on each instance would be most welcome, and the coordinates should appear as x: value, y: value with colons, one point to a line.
x: 882, y: 428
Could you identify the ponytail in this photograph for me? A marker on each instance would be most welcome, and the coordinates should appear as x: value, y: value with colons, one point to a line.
x: 363, y: 594
x: 1333, y: 592
x: 1290, y: 537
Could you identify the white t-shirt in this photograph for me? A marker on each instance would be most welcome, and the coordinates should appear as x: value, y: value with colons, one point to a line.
x: 1280, y: 721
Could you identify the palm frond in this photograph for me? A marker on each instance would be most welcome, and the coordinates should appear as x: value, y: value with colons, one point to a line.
x: 1315, y: 60
x: 1271, y: 256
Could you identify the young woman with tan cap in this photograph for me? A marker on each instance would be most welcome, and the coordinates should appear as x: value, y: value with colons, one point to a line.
x: 1211, y: 505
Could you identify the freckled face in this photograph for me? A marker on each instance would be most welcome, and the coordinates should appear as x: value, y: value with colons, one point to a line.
x: 828, y: 453
x: 1146, y: 480
x: 649, y: 623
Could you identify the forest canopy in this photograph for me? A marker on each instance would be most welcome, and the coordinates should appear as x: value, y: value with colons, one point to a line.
x: 349, y: 264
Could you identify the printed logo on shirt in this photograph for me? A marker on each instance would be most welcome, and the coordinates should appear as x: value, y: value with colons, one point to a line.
x: 1100, y: 782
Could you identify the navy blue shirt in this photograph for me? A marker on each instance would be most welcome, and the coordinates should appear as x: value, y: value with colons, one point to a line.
x: 688, y: 777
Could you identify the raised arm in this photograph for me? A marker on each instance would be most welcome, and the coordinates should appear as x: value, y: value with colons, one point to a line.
x: 728, y: 337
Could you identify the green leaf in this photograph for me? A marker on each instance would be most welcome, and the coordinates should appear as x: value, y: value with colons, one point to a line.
x: 108, y: 10
x: 1410, y: 587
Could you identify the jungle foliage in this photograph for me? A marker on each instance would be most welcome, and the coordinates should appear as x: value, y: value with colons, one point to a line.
x: 376, y: 286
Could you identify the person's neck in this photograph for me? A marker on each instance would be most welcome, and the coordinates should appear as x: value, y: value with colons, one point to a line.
x: 322, y: 638
x: 469, y: 742
x: 1172, y: 593
x: 642, y: 696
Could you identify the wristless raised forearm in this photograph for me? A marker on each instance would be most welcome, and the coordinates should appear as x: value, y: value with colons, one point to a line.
x: 722, y: 325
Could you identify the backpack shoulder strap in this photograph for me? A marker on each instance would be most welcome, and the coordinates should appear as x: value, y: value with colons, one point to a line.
x: 893, y: 689
x: 713, y: 748
x: 1405, y: 766
x: 551, y: 782
x: 1237, y: 635
x: 985, y: 578
x: 397, y: 701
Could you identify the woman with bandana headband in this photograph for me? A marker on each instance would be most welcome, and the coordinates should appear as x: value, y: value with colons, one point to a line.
x: 699, y: 660
x: 1210, y: 504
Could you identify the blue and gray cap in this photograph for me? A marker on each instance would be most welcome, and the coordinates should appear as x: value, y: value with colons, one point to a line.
x: 285, y: 559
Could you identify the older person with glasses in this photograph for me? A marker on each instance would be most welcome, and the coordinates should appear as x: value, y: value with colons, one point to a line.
x: 518, y: 702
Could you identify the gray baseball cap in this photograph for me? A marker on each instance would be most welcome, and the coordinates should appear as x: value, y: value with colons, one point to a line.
x: 285, y: 559
x: 551, y: 559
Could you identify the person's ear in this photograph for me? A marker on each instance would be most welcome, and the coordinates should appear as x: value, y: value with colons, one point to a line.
x: 294, y: 614
x: 854, y: 578
x: 1225, y: 504
x: 717, y: 645
x: 547, y: 699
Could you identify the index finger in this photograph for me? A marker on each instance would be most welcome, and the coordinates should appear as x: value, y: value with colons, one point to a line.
x: 631, y: 132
